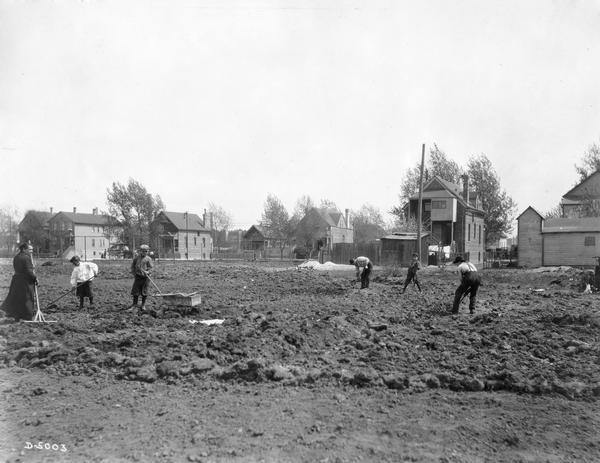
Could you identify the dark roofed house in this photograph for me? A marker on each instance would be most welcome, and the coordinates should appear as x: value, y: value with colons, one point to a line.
x: 322, y: 227
x: 89, y: 235
x: 453, y: 216
x: 181, y: 235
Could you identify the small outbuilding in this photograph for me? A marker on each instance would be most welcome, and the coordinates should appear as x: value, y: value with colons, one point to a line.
x: 397, y: 248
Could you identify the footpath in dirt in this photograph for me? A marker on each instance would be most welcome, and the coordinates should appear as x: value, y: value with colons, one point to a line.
x: 304, y: 367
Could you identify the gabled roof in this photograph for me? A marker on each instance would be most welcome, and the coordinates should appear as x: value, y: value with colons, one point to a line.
x: 533, y: 209
x: 43, y: 216
x: 329, y: 215
x: 572, y: 225
x: 579, y: 190
x: 259, y: 229
x: 436, y: 183
x: 180, y: 222
x: 83, y: 218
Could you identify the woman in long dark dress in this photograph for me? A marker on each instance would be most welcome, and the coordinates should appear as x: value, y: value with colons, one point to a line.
x: 19, y: 302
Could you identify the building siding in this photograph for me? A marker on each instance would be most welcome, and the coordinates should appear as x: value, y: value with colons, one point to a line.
x: 530, y: 239
x: 569, y: 249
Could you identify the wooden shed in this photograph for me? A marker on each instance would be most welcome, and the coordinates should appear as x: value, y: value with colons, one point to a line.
x: 397, y: 249
x: 529, y: 238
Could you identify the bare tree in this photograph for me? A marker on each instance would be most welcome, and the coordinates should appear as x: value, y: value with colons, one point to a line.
x: 222, y: 221
x: 275, y: 220
x: 590, y: 162
x: 368, y: 224
x: 8, y: 228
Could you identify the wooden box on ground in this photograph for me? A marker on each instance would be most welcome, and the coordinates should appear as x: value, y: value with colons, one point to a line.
x: 189, y: 300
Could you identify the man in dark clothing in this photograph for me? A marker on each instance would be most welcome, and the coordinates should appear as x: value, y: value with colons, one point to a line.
x: 469, y: 284
x: 414, y: 267
x: 140, y: 268
x: 19, y: 302
x: 367, y: 267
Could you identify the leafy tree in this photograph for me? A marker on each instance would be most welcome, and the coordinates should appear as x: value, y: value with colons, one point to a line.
x: 500, y: 209
x: 436, y: 164
x: 368, y: 223
x: 8, y: 228
x: 134, y: 208
x: 33, y: 229
x: 303, y: 205
x: 221, y: 221
x: 276, y: 222
x: 590, y: 162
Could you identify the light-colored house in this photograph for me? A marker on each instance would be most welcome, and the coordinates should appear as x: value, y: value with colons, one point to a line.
x: 557, y: 241
x: 89, y: 235
x: 181, y: 235
x: 573, y: 239
x: 453, y: 216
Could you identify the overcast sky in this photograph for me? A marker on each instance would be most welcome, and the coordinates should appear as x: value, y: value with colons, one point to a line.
x: 225, y: 102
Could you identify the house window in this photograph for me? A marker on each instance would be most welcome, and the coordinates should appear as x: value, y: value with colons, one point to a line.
x: 195, y: 241
x: 427, y: 206
x: 479, y: 234
x: 469, y: 233
x: 438, y: 204
x: 474, y: 231
x: 203, y: 242
x: 176, y: 245
x: 589, y: 241
x: 93, y: 243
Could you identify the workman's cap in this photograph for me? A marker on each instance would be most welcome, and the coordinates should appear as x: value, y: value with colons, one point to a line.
x: 415, y: 254
x: 458, y: 260
x: 75, y: 258
x: 144, y: 247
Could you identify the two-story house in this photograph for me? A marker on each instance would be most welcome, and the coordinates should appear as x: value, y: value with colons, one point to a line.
x: 452, y: 216
x: 89, y: 235
x: 181, y: 235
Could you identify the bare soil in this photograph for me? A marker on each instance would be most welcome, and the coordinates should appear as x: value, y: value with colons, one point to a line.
x: 305, y: 367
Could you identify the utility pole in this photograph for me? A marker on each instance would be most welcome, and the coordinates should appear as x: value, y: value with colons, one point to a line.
x: 186, y: 236
x: 420, y: 208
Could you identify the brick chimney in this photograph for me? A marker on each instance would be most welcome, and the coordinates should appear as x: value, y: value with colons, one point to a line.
x: 347, y: 218
x: 204, y: 218
x: 51, y: 210
x: 95, y: 211
x: 74, y: 210
x: 466, y: 188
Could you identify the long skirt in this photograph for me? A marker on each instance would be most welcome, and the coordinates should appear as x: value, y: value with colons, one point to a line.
x: 19, y: 303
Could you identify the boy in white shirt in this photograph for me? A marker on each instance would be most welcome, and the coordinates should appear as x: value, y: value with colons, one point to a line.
x: 81, y: 279
x: 469, y: 284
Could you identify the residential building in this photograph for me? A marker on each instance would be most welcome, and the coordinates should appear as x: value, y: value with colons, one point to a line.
x: 452, y: 216
x: 181, y: 235
x: 323, y: 227
x: 89, y: 235
x: 573, y: 239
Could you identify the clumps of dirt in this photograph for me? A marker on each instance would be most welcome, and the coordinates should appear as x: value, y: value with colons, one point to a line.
x: 315, y: 328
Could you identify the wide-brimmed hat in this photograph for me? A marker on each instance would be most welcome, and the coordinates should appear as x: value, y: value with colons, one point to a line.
x: 144, y: 247
x: 458, y: 260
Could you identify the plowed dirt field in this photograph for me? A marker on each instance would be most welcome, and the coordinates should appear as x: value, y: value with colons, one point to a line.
x: 305, y: 367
